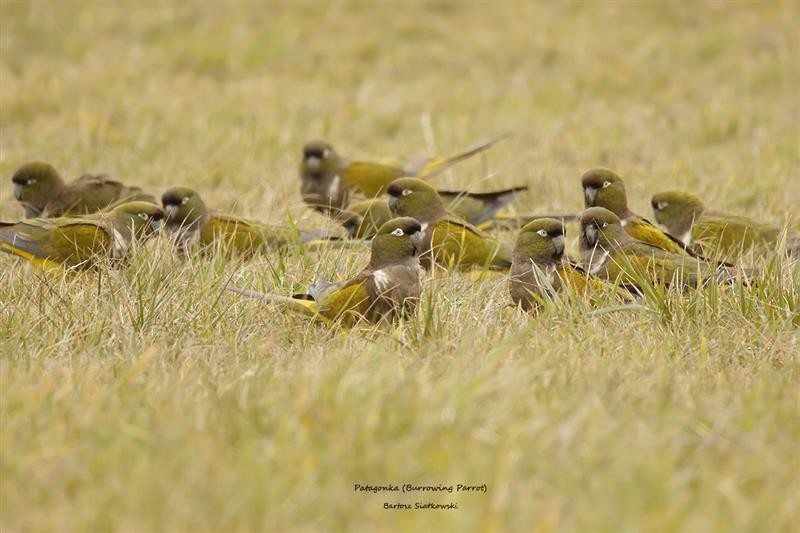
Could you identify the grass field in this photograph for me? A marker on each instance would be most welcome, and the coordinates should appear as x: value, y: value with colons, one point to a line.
x: 148, y: 399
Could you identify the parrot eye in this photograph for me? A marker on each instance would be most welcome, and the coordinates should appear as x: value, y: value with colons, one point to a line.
x: 185, y: 201
x: 606, y: 184
x: 662, y: 205
x: 406, y: 192
x: 325, y: 153
x: 398, y: 232
x: 604, y: 224
x: 30, y: 181
x: 144, y: 216
x: 542, y: 232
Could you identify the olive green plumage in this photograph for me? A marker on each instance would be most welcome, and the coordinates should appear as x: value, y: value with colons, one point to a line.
x: 194, y: 225
x: 604, y: 188
x: 714, y: 233
x: 362, y: 218
x: 539, y: 267
x: 386, y: 289
x: 81, y: 241
x: 39, y: 188
x: 448, y: 241
x: 610, y: 253
x: 329, y: 181
x: 519, y: 221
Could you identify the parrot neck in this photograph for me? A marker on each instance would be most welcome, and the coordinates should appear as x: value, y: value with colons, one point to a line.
x: 122, y: 232
x: 690, y: 216
x: 389, y: 250
x: 192, y: 221
x: 625, y: 215
x: 433, y: 212
x: 541, y: 260
x: 57, y: 184
x: 121, y: 244
x: 594, y: 260
x: 383, y: 258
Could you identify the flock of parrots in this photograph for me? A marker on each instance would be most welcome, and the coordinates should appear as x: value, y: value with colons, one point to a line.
x: 410, y: 226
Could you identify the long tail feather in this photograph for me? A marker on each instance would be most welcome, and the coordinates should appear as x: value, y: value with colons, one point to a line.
x: 318, y: 235
x: 41, y: 262
x: 439, y: 165
x: 302, y: 306
x: 492, y: 196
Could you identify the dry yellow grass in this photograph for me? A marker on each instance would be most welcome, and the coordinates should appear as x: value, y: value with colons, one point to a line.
x: 149, y: 400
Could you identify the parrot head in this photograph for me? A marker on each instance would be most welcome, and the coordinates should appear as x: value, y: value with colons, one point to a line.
x: 362, y: 219
x: 397, y: 240
x: 412, y: 197
x: 319, y: 158
x: 599, y: 226
x: 676, y: 211
x: 541, y: 240
x: 183, y: 207
x: 142, y: 219
x: 35, y: 184
x: 319, y: 174
x: 604, y: 188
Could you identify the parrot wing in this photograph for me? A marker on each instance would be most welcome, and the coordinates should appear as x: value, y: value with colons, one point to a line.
x: 721, y: 233
x: 132, y: 194
x: 237, y: 235
x: 457, y: 244
x: 244, y: 236
x: 639, y: 259
x: 643, y: 230
x: 73, y: 242
x: 583, y: 283
x: 501, y: 221
x: 349, y: 301
x: 248, y: 236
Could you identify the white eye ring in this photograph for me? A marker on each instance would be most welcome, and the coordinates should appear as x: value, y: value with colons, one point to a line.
x: 185, y: 201
x: 406, y: 192
x: 605, y: 224
x: 30, y: 181
x: 398, y: 232
x: 661, y: 205
x: 606, y: 184
x: 325, y: 153
x: 542, y: 232
x: 143, y: 216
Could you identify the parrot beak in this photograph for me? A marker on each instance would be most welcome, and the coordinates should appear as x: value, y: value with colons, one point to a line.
x: 18, y: 192
x: 169, y: 211
x: 558, y: 242
x: 312, y: 163
x: 591, y: 234
x: 156, y: 225
x: 591, y: 194
x: 392, y: 201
